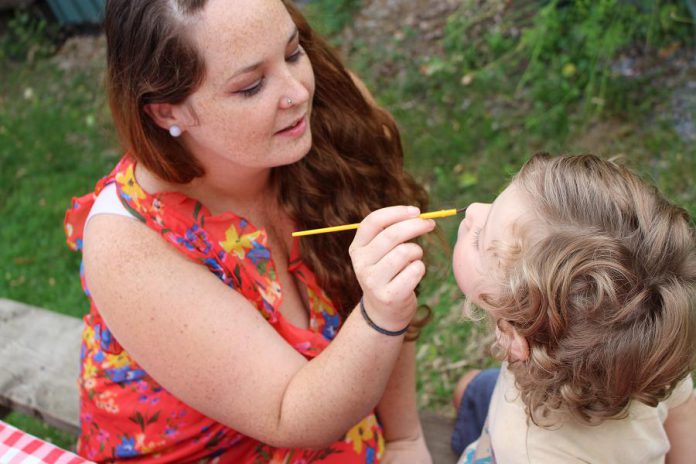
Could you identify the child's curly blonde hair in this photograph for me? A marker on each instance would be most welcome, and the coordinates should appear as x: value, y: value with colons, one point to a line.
x: 602, y: 286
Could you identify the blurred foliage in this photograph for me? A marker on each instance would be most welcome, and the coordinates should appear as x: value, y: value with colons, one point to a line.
x: 329, y: 17
x: 27, y: 36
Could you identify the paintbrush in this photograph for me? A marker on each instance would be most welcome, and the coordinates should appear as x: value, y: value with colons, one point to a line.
x: 431, y: 215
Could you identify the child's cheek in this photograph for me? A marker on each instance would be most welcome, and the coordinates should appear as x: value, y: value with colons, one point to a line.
x: 458, y: 263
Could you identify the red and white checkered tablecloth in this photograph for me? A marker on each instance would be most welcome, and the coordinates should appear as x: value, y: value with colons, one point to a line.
x: 17, y: 447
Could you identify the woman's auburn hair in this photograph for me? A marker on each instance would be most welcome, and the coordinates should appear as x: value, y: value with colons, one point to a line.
x: 355, y: 164
x: 602, y: 285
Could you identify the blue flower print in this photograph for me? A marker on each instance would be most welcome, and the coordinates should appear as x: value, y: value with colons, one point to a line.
x: 258, y: 253
x: 124, y: 374
x: 369, y: 455
x: 105, y: 337
x: 127, y: 448
x: 330, y: 326
x: 195, y: 238
x: 82, y: 278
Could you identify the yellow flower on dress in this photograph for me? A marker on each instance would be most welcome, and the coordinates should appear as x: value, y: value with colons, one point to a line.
x: 117, y: 360
x: 233, y: 243
x: 89, y: 370
x: 129, y: 186
x: 320, y: 303
x: 364, y: 431
x: 380, y: 447
x: 88, y: 337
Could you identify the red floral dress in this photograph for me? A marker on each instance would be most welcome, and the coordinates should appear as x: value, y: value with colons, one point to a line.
x: 125, y: 414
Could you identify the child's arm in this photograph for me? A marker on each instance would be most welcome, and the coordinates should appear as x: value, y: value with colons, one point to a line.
x: 680, y: 425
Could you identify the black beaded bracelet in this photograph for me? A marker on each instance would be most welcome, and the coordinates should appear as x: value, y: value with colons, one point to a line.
x: 391, y: 333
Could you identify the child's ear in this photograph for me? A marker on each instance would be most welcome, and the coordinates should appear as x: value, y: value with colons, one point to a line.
x: 519, y: 348
x: 514, y: 344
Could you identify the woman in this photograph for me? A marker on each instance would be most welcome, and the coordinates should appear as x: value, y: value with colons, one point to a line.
x: 209, y: 328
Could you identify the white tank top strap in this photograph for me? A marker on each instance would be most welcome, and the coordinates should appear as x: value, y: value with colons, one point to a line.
x: 107, y: 202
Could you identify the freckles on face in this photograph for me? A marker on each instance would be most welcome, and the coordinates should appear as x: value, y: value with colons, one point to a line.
x: 249, y: 48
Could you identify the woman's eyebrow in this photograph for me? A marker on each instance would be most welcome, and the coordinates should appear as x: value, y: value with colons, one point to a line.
x: 254, y: 66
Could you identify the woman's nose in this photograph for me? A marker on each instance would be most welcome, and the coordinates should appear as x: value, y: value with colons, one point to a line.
x: 295, y: 92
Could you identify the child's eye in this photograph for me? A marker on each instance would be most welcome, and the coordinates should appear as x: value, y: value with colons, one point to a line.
x: 477, y: 233
x: 296, y: 55
x: 253, y: 89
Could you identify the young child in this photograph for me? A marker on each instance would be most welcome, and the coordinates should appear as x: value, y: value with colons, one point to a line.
x: 589, y: 275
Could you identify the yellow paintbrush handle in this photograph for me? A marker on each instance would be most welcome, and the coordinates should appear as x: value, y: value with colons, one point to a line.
x: 326, y: 230
x: 439, y: 214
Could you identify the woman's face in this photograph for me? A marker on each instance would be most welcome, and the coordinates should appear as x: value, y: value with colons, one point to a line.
x: 253, y: 108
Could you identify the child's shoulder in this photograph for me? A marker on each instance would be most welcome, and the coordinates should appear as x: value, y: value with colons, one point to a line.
x: 681, y: 393
x: 570, y: 440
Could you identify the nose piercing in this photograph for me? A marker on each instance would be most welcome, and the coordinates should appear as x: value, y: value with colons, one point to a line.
x: 289, y: 101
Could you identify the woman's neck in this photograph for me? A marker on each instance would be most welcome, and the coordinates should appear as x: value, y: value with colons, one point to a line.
x: 241, y: 192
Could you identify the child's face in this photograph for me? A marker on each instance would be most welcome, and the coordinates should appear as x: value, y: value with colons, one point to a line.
x: 474, y: 266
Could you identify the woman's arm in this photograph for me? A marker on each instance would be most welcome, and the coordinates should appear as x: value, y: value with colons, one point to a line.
x: 680, y: 425
x: 398, y: 412
x: 397, y: 409
x: 210, y: 347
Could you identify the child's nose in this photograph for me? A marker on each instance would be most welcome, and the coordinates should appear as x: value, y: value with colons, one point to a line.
x: 476, y: 211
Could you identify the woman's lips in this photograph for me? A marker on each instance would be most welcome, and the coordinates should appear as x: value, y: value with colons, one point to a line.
x: 296, y: 129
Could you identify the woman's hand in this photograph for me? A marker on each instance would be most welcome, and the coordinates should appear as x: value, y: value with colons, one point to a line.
x: 387, y: 266
x: 411, y: 451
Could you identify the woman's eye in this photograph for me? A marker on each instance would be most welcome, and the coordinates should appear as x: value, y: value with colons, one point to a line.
x: 296, y: 55
x: 253, y: 89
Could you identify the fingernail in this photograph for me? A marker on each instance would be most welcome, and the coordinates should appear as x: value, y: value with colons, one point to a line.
x: 413, y: 210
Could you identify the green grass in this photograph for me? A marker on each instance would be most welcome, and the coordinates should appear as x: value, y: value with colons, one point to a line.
x: 55, y: 142
x: 468, y: 122
x: 39, y: 429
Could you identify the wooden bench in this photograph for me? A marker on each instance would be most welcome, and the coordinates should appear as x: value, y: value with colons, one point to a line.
x: 40, y: 362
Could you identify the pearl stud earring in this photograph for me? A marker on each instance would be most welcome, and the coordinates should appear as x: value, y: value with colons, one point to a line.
x: 175, y: 131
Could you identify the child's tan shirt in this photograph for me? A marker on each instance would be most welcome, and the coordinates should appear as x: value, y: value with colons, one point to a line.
x: 640, y: 438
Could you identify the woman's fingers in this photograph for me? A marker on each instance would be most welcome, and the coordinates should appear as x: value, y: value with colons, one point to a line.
x: 394, y: 235
x: 398, y: 290
x: 379, y: 220
x: 380, y: 250
x: 390, y: 265
x: 387, y: 265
